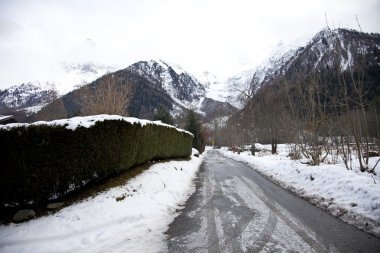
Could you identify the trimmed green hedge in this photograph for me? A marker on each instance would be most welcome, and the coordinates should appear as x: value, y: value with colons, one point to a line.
x: 40, y: 162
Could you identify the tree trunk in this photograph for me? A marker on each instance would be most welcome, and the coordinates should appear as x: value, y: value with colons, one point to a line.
x: 274, y: 145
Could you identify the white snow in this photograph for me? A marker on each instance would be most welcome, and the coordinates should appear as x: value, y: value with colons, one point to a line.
x: 5, y: 117
x: 349, y: 194
x: 69, y: 75
x: 159, y: 71
x: 89, y: 121
x: 33, y: 109
x: 231, y: 88
x: 194, y: 152
x: 136, y: 223
x: 17, y: 96
x: 66, y: 76
x: 227, y: 89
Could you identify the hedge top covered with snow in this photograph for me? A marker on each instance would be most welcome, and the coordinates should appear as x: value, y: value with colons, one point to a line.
x: 46, y: 160
x: 89, y: 121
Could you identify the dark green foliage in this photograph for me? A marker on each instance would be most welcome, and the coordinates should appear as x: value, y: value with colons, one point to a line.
x: 164, y: 116
x: 43, y: 162
x: 193, y: 125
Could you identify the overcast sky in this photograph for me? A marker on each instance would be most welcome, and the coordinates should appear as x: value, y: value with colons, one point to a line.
x: 222, y: 37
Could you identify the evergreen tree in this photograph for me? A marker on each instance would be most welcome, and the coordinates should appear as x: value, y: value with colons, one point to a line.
x: 164, y: 116
x: 193, y: 125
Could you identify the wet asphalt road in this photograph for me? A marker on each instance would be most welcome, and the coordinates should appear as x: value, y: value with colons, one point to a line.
x: 235, y: 209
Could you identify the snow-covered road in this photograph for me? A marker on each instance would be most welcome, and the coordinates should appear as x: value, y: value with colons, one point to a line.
x: 235, y: 209
x: 351, y: 195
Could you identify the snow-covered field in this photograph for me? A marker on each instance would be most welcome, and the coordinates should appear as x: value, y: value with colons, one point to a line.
x: 129, y: 218
x: 351, y: 195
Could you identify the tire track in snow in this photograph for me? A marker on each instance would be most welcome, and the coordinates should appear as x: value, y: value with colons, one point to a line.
x: 231, y: 232
x: 266, y: 233
x: 212, y: 234
x: 299, y: 231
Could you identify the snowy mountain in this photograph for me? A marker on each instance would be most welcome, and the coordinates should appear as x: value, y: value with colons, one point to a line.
x: 216, y: 109
x: 233, y: 88
x: 28, y: 97
x: 67, y: 76
x: 71, y: 75
x: 213, y: 85
x: 330, y: 57
x: 183, y: 88
x: 273, y: 64
x: 153, y: 84
x: 226, y: 89
x: 236, y: 86
x: 86, y: 72
x: 86, y: 68
x: 338, y: 48
x: 328, y: 50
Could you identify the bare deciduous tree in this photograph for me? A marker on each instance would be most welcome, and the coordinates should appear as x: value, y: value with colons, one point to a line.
x: 108, y: 96
x: 352, y: 106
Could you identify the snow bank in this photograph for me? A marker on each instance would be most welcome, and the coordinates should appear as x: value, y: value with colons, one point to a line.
x: 351, y: 195
x: 129, y: 218
x: 89, y: 121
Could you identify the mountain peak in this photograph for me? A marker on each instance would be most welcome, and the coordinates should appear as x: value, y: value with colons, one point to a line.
x: 321, y: 52
x: 27, y: 95
x: 343, y: 45
x: 182, y: 87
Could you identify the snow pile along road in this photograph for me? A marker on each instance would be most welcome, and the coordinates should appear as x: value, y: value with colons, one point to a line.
x: 349, y: 194
x: 129, y: 218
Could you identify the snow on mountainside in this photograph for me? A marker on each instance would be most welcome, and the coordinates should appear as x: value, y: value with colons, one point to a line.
x: 36, y: 93
x: 315, y: 54
x: 273, y: 64
x: 76, y: 74
x: 326, y: 50
x: 154, y: 85
x: 323, y: 53
x: 331, y: 58
x: 232, y: 88
x: 236, y: 86
x: 346, y: 43
x: 30, y: 97
x: 226, y: 89
x: 212, y: 85
x: 88, y: 69
x: 184, y: 89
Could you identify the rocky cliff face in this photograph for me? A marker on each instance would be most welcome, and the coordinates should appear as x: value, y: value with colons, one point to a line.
x: 26, y: 97
x: 180, y: 85
x: 329, y: 50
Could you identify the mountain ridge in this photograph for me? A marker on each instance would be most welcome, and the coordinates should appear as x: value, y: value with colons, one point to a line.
x: 26, y: 98
x: 153, y: 85
x: 182, y: 91
x: 335, y: 68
